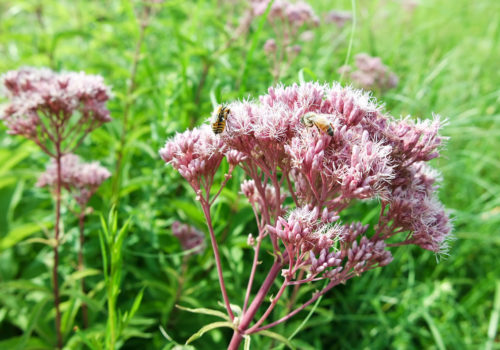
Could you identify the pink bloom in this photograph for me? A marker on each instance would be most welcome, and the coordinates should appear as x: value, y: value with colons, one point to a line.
x: 270, y: 46
x: 40, y: 98
x: 81, y: 179
x: 371, y: 73
x: 340, y: 18
x: 415, y: 208
x: 295, y: 13
x: 370, y: 155
x: 196, y: 154
x: 190, y: 238
x: 303, y: 173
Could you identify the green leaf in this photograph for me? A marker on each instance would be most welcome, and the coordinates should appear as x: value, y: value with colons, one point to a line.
x: 36, y: 314
x: 20, y: 232
x: 102, y: 241
x: 205, y: 311
x: 209, y: 327
x: 31, y: 344
x: 277, y: 337
x: 82, y: 274
x: 246, y: 345
x: 136, y: 304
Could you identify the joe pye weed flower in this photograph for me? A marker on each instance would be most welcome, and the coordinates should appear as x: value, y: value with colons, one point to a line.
x: 300, y: 180
x: 57, y: 111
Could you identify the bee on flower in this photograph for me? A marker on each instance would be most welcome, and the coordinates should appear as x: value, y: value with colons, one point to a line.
x: 219, y: 118
x: 320, y: 121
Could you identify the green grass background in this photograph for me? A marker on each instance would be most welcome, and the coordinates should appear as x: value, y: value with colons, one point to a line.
x: 446, y: 54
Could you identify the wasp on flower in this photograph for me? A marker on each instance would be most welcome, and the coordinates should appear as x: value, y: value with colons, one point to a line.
x: 219, y: 119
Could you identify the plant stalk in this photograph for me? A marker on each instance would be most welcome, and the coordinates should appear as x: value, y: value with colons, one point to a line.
x: 254, y: 306
x: 206, y: 211
x: 56, y: 246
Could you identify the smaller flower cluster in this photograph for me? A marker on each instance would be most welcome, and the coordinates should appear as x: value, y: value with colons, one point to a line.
x: 371, y: 73
x: 414, y: 207
x: 190, y: 238
x: 324, y: 249
x: 294, y: 14
x: 81, y: 179
x: 287, y: 20
x: 339, y: 18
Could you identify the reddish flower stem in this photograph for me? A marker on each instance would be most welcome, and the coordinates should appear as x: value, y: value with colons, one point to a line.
x: 297, y: 310
x: 254, y: 268
x: 254, y: 306
x: 270, y: 307
x: 291, y: 301
x: 226, y: 179
x: 206, y: 210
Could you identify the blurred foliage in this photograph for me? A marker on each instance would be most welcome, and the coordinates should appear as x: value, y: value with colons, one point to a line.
x: 446, y: 55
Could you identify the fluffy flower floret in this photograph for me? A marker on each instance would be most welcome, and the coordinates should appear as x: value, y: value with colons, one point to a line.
x: 260, y: 131
x: 367, y: 171
x: 299, y: 227
x: 414, y: 207
x: 350, y: 104
x: 196, y: 154
x: 416, y: 140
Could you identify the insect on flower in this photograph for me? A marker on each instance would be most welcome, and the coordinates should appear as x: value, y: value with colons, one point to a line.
x: 219, y: 119
x: 320, y: 121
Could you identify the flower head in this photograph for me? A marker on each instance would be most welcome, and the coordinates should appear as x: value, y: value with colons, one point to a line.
x: 270, y: 46
x: 46, y: 105
x: 339, y: 18
x: 191, y: 239
x: 371, y: 73
x: 368, y: 155
x: 196, y: 154
x: 81, y: 179
x: 295, y: 13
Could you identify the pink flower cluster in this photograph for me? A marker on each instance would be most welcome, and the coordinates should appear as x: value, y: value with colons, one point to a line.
x: 301, y: 179
x: 81, y: 179
x: 191, y: 239
x: 287, y: 20
x: 295, y: 14
x: 40, y: 100
x: 371, y: 155
x: 371, y: 73
x: 196, y: 154
x: 340, y: 18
